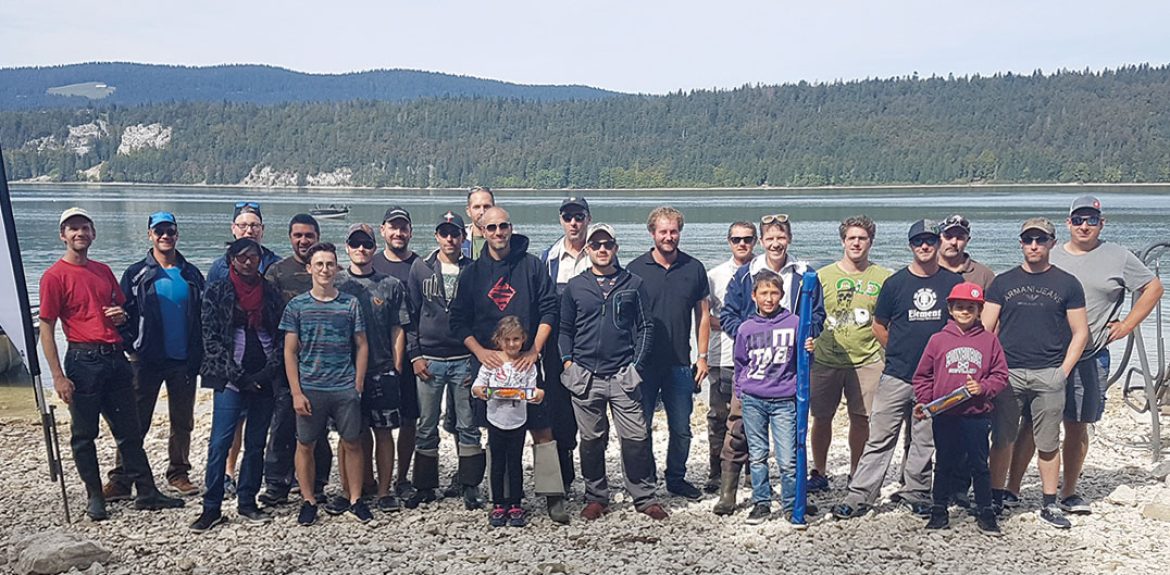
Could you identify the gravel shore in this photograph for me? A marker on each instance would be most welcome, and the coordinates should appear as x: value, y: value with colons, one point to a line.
x: 443, y: 538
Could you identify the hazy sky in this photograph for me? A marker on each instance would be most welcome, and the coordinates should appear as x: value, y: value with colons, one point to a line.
x: 650, y: 46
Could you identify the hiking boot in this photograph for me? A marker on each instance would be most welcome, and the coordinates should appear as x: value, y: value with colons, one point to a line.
x: 760, y: 513
x: 712, y: 484
x: 156, y: 501
x: 360, y: 511
x: 727, y: 490
x: 273, y: 497
x: 185, y: 488
x: 308, y: 514
x: 498, y: 516
x: 939, y: 519
x: 95, y: 508
x: 987, y: 523
x: 471, y: 498
x: 1052, y: 515
x: 114, y: 492
x: 556, y: 509
x: 847, y: 511
x: 254, y: 516
x: 817, y: 482
x: 686, y: 490
x: 517, y: 516
x: 656, y: 512
x: 336, y: 505
x: 1076, y: 505
x: 229, y: 487
x: 390, y: 503
x: 208, y: 519
x: 1010, y: 500
x: 594, y: 510
x: 420, y: 496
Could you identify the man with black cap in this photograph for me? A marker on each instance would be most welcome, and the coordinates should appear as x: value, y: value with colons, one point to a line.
x: 1039, y: 310
x: 163, y: 337
x: 247, y: 222
x: 954, y: 235
x: 383, y: 302
x: 1107, y: 272
x: 602, y: 354
x: 911, y: 307
x: 84, y: 296
x: 565, y: 259
x: 396, y: 261
x: 442, y: 365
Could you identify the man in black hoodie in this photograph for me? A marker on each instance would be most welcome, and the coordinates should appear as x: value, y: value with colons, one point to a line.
x: 507, y: 280
x: 605, y: 337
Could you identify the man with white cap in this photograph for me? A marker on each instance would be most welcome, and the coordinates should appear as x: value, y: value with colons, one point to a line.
x: 605, y: 336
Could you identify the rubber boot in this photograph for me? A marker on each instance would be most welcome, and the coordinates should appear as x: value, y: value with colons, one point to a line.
x: 95, y: 506
x: 472, y: 466
x: 728, y: 485
x: 546, y: 471
x: 426, y: 479
x: 565, y: 457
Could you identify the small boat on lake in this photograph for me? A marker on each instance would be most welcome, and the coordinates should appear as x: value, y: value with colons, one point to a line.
x: 332, y: 211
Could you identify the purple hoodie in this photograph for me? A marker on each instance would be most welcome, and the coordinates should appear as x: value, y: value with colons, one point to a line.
x: 952, y: 355
x: 765, y: 356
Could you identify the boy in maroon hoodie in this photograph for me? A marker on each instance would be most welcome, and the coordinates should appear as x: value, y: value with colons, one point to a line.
x: 963, y: 354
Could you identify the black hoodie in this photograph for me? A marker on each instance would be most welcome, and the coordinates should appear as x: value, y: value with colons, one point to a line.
x: 429, y: 334
x: 489, y: 290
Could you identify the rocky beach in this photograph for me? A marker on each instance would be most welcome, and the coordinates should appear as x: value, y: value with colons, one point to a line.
x: 1126, y: 533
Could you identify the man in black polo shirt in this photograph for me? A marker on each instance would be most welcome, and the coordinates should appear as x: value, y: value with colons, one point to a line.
x: 677, y: 288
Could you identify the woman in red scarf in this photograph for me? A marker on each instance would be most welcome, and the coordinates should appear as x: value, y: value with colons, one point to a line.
x: 242, y: 359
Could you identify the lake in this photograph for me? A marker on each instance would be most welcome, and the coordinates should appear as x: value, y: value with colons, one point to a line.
x: 1136, y: 217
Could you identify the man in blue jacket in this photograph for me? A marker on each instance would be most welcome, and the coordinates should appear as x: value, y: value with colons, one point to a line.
x: 605, y: 337
x: 163, y: 337
x: 247, y: 222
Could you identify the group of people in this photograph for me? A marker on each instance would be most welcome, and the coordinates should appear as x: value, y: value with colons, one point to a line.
x: 483, y: 333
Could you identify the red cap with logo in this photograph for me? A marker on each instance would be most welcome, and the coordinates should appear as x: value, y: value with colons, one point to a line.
x: 966, y: 291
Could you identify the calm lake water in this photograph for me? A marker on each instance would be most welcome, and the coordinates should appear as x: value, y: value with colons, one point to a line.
x: 1136, y: 216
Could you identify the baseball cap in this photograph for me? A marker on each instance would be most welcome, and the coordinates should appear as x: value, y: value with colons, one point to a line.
x: 160, y: 218
x: 450, y: 218
x: 74, y: 211
x: 1041, y: 224
x: 955, y: 221
x: 1085, y: 203
x: 249, y: 208
x: 922, y: 227
x: 599, y: 228
x: 359, y: 229
x: 572, y: 201
x: 396, y: 213
x: 966, y: 291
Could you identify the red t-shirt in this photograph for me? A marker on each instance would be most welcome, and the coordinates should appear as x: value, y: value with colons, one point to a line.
x: 76, y: 295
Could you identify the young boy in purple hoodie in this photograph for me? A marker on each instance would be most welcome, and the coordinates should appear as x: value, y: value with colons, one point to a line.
x: 963, y: 354
x: 765, y: 381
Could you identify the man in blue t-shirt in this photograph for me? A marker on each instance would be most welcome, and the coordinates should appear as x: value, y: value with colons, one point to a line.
x: 325, y: 358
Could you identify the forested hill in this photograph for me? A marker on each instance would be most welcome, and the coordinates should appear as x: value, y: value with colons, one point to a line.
x: 1111, y: 126
x: 77, y: 85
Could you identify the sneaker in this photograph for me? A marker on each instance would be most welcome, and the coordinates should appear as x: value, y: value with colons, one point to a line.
x: 939, y: 519
x: 961, y: 499
x: 988, y: 524
x: 336, y: 505
x: 817, y: 482
x: 253, y: 516
x: 759, y: 514
x: 1076, y: 505
x: 156, y: 501
x: 656, y: 512
x: 517, y: 516
x: 184, y: 486
x: 847, y: 511
x: 594, y: 510
x: 712, y: 484
x: 1010, y: 500
x: 206, y: 521
x: 390, y: 503
x: 420, y: 496
x: 686, y: 490
x: 1052, y: 515
x: 498, y: 516
x: 114, y: 491
x: 307, y: 515
x: 273, y: 497
x: 405, y: 490
x: 918, y: 508
x: 229, y: 487
x: 360, y: 511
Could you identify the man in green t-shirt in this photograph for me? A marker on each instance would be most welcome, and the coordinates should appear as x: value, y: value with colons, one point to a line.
x: 848, y: 358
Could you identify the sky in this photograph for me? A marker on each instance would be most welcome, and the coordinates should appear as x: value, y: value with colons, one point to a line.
x: 645, y: 46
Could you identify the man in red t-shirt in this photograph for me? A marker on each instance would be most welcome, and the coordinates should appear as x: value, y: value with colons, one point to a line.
x: 97, y: 378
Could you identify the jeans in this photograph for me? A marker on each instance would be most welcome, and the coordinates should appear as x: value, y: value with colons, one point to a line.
x: 776, y: 416
x: 278, y: 459
x: 960, y: 450
x: 148, y: 379
x: 229, y: 407
x: 453, y: 378
x: 677, y: 386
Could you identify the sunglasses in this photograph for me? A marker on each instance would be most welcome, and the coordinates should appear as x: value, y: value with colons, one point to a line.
x: 361, y: 244
x: 1033, y: 239
x: 252, y: 226
x: 923, y: 240
x: 502, y: 226
x: 449, y: 232
x: 742, y: 239
x: 606, y: 245
x: 774, y: 219
x: 574, y: 217
x: 164, y: 231
x: 1079, y: 220
x: 253, y: 205
x: 956, y: 220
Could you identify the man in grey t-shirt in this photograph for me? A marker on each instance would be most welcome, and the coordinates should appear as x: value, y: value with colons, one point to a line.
x: 1107, y: 271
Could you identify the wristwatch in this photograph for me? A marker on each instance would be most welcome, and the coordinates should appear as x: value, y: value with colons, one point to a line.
x: 703, y: 355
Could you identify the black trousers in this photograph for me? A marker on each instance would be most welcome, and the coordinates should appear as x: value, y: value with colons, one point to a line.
x: 507, y: 474
x: 180, y: 381
x: 961, y: 444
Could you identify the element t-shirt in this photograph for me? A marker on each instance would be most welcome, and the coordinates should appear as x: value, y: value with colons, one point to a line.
x: 913, y: 309
x: 1033, y: 321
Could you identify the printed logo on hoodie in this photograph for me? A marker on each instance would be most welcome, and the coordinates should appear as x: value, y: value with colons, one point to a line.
x: 501, y: 294
x: 964, y: 360
x: 768, y: 348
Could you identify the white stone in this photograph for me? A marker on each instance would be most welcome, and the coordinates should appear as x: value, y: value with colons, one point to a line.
x: 56, y: 552
x: 141, y: 137
x: 1123, y: 495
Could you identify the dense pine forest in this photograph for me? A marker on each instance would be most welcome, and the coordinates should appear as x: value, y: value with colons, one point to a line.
x: 1109, y: 126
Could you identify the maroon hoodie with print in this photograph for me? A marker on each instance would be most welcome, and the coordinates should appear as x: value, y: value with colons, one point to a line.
x: 950, y: 356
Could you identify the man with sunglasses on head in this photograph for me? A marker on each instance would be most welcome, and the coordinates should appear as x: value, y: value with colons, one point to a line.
x: 776, y: 236
x: 163, y: 336
x: 954, y: 235
x: 911, y: 307
x: 1039, y: 311
x: 247, y: 222
x: 1107, y: 272
x: 741, y: 240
